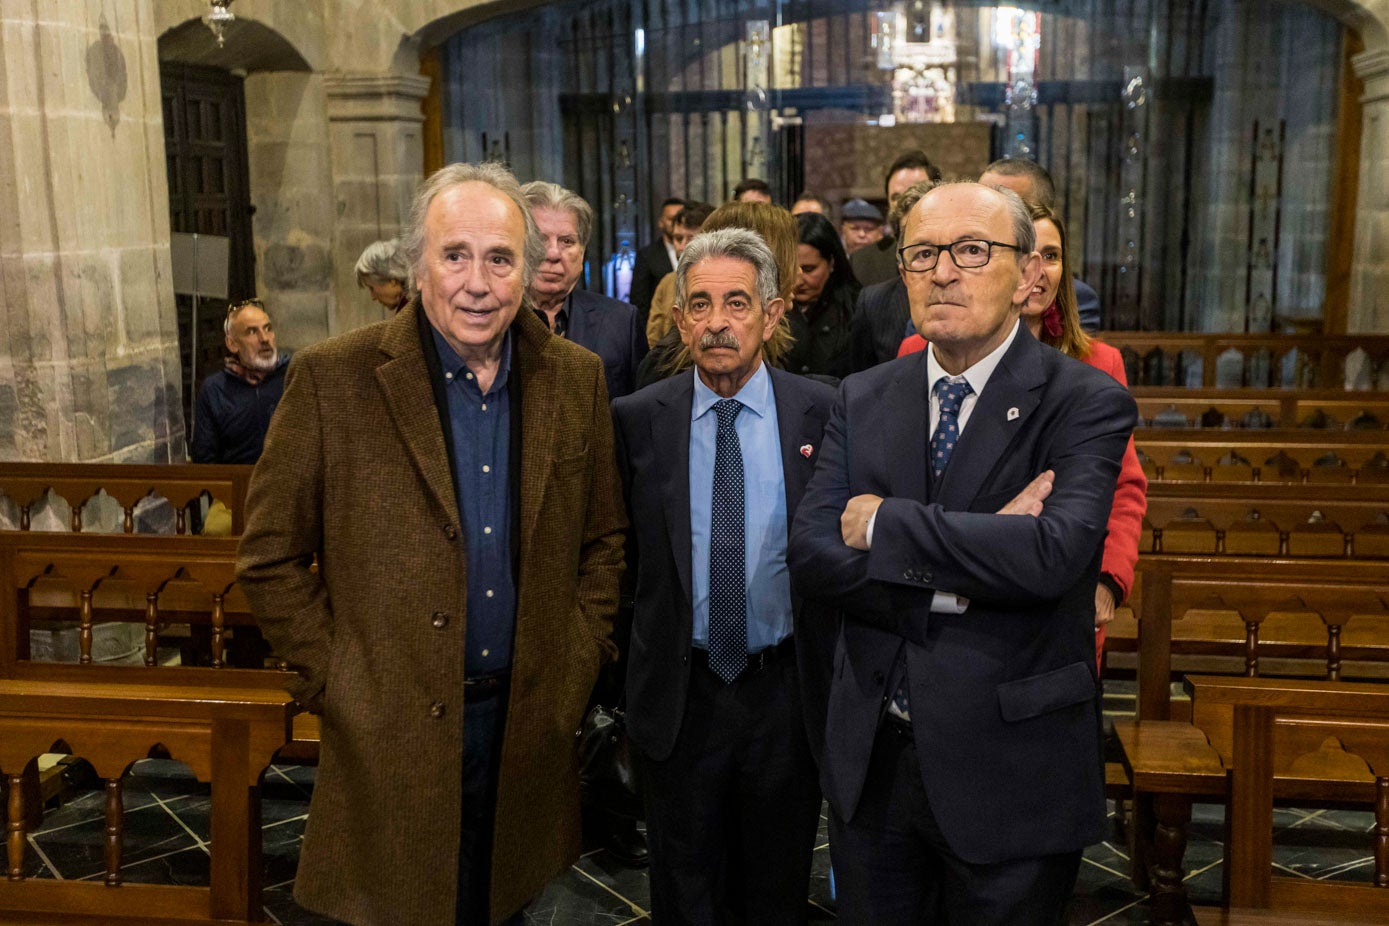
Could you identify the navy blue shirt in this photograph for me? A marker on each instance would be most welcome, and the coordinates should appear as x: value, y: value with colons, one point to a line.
x: 481, y: 426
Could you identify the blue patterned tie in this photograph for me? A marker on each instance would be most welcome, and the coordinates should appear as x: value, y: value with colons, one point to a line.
x: 728, y: 613
x: 947, y: 433
x: 943, y: 441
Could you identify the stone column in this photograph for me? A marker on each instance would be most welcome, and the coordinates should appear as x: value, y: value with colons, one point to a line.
x: 1369, y: 285
x: 377, y: 156
x: 89, y: 364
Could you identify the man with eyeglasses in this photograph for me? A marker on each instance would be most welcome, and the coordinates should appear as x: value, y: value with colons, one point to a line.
x: 235, y: 403
x: 956, y: 519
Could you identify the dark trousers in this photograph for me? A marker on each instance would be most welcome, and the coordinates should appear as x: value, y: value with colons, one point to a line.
x: 484, y: 721
x: 731, y: 815
x: 893, y: 866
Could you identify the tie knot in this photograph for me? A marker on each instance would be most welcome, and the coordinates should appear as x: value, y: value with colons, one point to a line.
x: 727, y: 410
x: 951, y: 395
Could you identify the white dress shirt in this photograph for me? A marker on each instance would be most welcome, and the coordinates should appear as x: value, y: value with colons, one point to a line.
x: 978, y: 377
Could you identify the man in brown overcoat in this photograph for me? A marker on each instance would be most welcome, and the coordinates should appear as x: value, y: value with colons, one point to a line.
x: 451, y: 470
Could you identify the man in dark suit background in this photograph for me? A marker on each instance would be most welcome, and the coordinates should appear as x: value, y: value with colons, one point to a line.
x: 882, y: 316
x: 966, y: 775
x: 656, y: 259
x: 605, y: 326
x: 1033, y: 183
x: 714, y: 462
x: 877, y: 262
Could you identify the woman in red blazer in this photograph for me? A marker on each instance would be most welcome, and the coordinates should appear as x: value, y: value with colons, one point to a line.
x: 1051, y: 315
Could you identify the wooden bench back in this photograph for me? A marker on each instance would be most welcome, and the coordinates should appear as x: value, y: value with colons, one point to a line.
x: 1350, y: 521
x: 1171, y: 408
x: 180, y: 483
x: 1327, y: 618
x: 1259, y: 360
x: 84, y: 579
x: 1278, y: 457
x: 1283, y: 737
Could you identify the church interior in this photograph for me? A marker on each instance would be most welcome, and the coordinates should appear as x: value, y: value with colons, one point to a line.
x: 1222, y: 167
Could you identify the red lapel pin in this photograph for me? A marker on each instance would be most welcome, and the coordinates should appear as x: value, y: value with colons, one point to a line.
x: 807, y: 450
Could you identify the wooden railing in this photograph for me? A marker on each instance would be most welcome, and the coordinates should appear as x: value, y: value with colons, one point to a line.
x: 182, y: 485
x: 1252, y: 360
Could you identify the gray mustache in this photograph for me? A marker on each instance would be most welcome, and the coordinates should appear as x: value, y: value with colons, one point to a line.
x: 715, y: 339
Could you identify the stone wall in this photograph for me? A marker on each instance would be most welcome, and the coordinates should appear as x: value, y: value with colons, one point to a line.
x: 89, y: 355
x: 292, y: 192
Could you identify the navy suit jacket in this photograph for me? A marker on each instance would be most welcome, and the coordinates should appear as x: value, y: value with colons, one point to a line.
x: 652, y: 432
x: 1005, y: 701
x: 653, y: 263
x: 879, y: 324
x: 609, y: 329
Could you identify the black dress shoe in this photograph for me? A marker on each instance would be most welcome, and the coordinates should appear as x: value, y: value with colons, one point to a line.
x: 627, y: 844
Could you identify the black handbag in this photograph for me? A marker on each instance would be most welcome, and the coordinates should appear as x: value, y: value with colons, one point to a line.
x: 606, y: 776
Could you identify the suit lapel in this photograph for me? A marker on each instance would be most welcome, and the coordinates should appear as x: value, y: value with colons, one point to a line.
x: 540, y: 398
x: 578, y: 316
x: 796, y: 466
x: 906, y: 404
x: 992, y: 425
x: 670, y: 436
x: 404, y: 381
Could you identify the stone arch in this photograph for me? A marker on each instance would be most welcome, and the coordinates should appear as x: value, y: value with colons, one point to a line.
x: 250, y: 46
x: 296, y: 32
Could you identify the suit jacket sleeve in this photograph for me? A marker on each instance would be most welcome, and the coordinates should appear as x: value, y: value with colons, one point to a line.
x: 642, y: 284
x: 284, y: 531
x: 1016, y: 560
x: 636, y: 352
x: 604, y: 527
x: 861, y: 352
x: 203, y: 448
x: 1130, y: 495
x: 822, y: 565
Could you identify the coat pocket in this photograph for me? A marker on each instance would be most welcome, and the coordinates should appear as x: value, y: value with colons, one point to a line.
x: 1035, y: 695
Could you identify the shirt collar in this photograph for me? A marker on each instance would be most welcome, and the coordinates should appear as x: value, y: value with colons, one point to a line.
x: 978, y: 375
x: 756, y: 394
x: 453, y: 364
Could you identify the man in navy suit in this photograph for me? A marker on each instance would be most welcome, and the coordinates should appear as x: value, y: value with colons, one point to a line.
x: 956, y: 518
x: 656, y: 259
x: 605, y: 326
x: 714, y: 463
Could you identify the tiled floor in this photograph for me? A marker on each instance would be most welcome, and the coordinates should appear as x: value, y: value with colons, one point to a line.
x: 167, y: 842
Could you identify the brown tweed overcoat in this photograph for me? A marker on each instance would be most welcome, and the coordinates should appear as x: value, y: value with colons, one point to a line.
x: 355, y: 473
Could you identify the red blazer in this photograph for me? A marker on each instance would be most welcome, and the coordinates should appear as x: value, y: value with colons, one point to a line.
x: 1130, y: 495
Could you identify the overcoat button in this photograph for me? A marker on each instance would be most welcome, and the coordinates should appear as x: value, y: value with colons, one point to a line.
x: 436, y: 710
x: 926, y: 577
x: 878, y: 678
x: 450, y: 531
x: 440, y: 620
x: 908, y: 575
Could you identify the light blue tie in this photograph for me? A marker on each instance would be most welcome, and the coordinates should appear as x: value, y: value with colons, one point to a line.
x: 728, y: 612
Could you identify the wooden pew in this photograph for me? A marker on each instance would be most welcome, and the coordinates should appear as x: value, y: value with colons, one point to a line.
x: 181, y: 484
x: 1278, y: 456
x: 150, y: 580
x: 1270, y: 519
x: 226, y: 735
x: 1252, y: 742
x: 1248, y: 615
x: 1170, y: 407
x: 1169, y: 358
